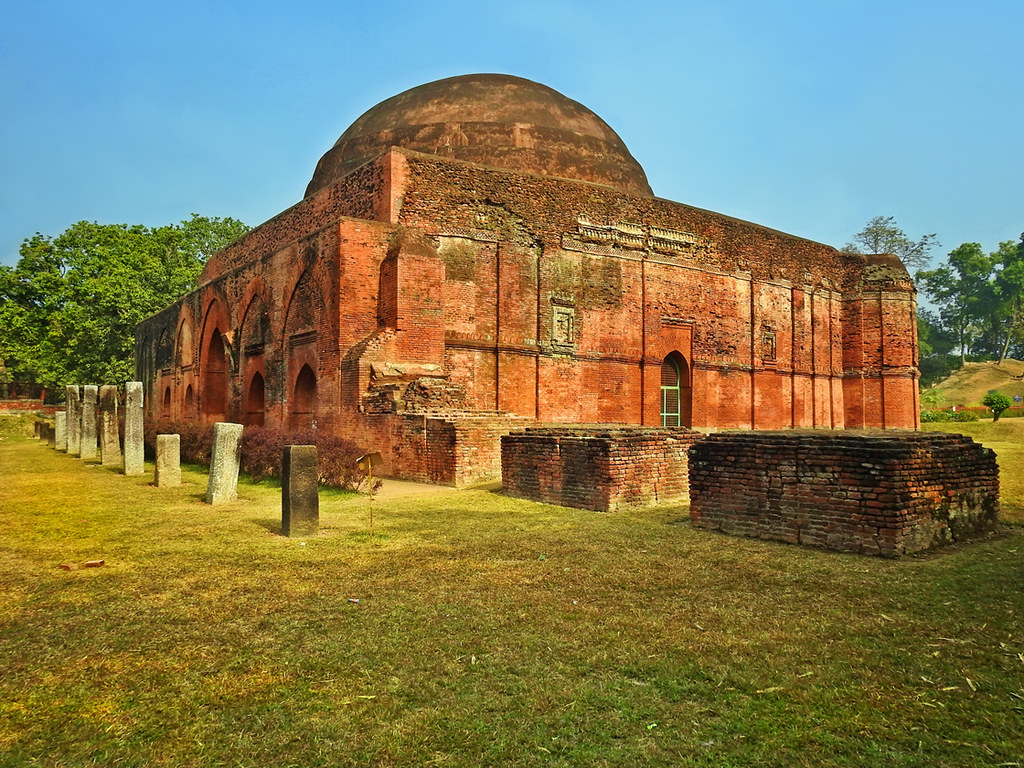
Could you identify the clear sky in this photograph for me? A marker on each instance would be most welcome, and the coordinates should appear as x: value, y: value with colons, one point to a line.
x: 807, y: 116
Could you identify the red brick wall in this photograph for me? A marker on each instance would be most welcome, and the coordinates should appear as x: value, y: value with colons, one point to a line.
x: 880, y: 494
x: 598, y: 467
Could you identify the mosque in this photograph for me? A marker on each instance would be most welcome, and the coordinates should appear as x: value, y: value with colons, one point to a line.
x: 482, y: 252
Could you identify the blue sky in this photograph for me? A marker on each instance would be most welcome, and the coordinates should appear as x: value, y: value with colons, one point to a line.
x: 807, y: 116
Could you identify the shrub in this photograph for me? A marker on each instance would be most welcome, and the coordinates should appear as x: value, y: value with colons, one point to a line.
x: 961, y: 416
x: 997, y: 403
x: 262, y: 450
x: 934, y: 416
x: 196, y: 439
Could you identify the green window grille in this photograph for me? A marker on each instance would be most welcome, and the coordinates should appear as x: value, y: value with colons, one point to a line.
x: 669, y: 393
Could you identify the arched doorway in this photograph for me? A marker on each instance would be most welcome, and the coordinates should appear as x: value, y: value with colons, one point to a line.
x: 303, y: 399
x: 676, y: 394
x: 255, y: 401
x: 215, y: 379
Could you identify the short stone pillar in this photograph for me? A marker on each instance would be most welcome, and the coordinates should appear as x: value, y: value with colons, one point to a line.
x: 48, y: 433
x: 60, y: 430
x: 168, y: 461
x: 74, y: 414
x: 37, y: 428
x: 90, y: 395
x: 110, y: 441
x: 300, y: 492
x: 134, y: 452
x: 227, y: 448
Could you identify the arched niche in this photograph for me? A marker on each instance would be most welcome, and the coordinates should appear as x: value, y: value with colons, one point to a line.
x: 303, y: 400
x: 190, y: 403
x: 255, y: 401
x: 215, y: 379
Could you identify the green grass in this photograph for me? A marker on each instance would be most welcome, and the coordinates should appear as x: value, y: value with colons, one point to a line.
x: 489, y: 631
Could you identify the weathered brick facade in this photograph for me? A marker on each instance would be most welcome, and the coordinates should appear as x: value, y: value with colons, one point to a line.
x: 601, y: 468
x: 872, y: 493
x: 411, y: 282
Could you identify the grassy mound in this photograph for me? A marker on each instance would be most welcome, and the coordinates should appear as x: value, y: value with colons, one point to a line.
x: 971, y: 383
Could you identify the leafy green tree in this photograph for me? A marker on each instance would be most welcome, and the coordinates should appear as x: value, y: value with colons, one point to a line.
x: 1009, y: 291
x: 963, y: 290
x: 997, y: 403
x: 69, y: 307
x: 882, y: 235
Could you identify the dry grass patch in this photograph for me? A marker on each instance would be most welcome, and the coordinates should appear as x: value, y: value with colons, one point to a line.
x: 489, y: 631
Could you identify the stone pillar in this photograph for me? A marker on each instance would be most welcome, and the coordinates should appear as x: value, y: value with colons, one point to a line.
x: 37, y: 430
x: 134, y: 453
x: 300, y: 493
x: 227, y: 447
x: 74, y: 412
x: 168, y: 461
x: 60, y: 430
x: 110, y: 441
x: 48, y: 433
x: 89, y: 397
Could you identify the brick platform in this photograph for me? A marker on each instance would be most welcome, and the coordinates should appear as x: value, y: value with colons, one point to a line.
x: 601, y: 468
x: 870, y: 493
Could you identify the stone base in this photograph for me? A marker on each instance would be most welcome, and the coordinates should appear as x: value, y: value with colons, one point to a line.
x: 884, y: 494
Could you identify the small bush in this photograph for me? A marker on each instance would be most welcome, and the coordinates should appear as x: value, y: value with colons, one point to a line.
x: 962, y: 416
x: 997, y: 402
x: 928, y: 416
x: 262, y: 450
x: 196, y: 439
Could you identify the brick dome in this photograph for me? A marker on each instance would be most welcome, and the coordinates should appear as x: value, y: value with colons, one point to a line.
x: 493, y: 120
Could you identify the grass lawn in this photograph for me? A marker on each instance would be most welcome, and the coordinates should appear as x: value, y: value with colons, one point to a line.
x: 488, y: 631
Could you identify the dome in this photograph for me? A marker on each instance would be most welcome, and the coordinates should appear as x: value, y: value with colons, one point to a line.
x: 494, y: 120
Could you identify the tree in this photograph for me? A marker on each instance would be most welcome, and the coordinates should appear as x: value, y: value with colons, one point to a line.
x: 963, y: 291
x: 882, y: 235
x: 1009, y: 291
x: 69, y: 307
x: 997, y: 403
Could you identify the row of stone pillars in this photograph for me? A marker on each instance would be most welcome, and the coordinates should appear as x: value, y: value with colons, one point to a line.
x: 88, y: 426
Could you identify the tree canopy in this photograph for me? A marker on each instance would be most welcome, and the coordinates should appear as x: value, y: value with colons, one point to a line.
x: 69, y: 307
x: 882, y: 235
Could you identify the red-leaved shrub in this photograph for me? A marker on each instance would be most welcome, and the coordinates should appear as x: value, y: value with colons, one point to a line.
x: 196, y: 439
x: 262, y: 450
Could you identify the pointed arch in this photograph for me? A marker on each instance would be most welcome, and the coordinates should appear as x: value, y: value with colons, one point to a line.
x: 190, y: 403
x: 303, y: 401
x: 676, y: 393
x: 183, y: 347
x: 255, y: 401
x: 215, y: 379
x: 214, y: 361
x: 165, y: 411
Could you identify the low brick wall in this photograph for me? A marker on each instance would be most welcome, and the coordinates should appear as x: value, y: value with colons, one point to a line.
x: 601, y: 468
x: 873, y: 493
x: 449, y: 449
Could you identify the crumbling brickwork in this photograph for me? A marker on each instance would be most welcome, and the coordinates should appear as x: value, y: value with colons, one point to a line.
x: 601, y: 468
x: 883, y: 494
